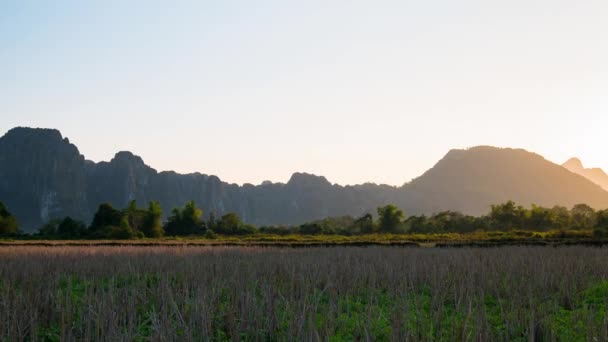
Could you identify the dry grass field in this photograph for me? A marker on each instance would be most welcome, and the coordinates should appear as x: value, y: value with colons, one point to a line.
x: 203, y: 293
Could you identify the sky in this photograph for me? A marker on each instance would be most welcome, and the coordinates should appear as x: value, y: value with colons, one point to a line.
x: 357, y: 91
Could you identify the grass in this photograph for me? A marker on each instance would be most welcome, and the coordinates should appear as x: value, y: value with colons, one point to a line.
x: 195, y: 293
x: 478, y: 238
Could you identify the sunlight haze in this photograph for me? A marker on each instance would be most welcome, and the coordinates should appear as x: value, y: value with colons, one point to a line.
x: 254, y: 91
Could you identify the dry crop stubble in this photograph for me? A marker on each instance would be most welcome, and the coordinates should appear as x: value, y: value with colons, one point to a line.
x: 340, y: 293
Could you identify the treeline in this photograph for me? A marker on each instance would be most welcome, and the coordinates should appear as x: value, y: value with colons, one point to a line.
x: 502, y: 217
x: 134, y: 222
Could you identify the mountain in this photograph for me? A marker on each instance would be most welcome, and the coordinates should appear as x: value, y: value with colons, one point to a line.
x: 44, y: 176
x: 470, y: 180
x: 596, y: 175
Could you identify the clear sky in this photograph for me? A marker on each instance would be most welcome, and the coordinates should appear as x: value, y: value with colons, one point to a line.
x: 353, y: 90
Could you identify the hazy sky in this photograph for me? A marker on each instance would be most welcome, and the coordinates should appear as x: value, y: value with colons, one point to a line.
x: 353, y: 90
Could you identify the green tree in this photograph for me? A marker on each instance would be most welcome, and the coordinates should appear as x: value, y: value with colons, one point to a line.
x: 69, y: 228
x: 560, y: 217
x: 452, y: 221
x: 8, y: 223
x: 212, y: 222
x: 365, y: 224
x: 313, y: 228
x: 112, y: 223
x: 122, y: 232
x: 186, y: 221
x: 583, y: 217
x: 601, y: 224
x: 278, y: 230
x: 539, y: 218
x: 230, y: 224
x: 132, y: 206
x: 507, y: 216
x: 153, y: 226
x: 137, y: 217
x: 417, y: 224
x: 173, y: 224
x: 106, y: 216
x: 390, y: 218
x: 49, y: 229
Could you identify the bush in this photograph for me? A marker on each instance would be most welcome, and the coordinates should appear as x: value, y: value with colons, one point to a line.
x: 210, y: 234
x: 8, y: 223
x: 601, y: 226
x: 231, y: 224
x: 119, y: 233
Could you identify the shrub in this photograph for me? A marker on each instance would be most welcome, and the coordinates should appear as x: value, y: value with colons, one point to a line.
x: 8, y: 223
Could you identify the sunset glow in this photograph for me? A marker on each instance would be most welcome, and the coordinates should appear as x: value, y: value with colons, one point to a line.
x: 258, y: 90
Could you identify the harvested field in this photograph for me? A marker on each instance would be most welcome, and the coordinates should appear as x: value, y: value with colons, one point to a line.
x: 199, y: 293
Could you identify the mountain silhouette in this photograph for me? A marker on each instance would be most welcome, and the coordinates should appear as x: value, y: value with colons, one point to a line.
x: 473, y: 179
x: 43, y: 176
x: 596, y: 175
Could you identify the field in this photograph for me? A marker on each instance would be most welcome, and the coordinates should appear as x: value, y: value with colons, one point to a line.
x: 473, y: 239
x: 195, y: 293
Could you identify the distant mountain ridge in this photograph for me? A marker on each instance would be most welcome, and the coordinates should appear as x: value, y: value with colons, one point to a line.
x: 44, y: 176
x: 469, y: 180
x: 596, y: 175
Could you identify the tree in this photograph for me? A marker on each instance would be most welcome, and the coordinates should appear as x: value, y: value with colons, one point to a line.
x: 186, y: 221
x: 153, y: 226
x: 278, y: 230
x: 145, y: 222
x: 69, y: 228
x: 601, y: 224
x: 137, y: 217
x: 50, y: 228
x: 560, y: 217
x: 231, y: 224
x: 507, y: 216
x: 452, y: 221
x: 583, y: 217
x: 66, y: 228
x: 192, y: 215
x: 417, y: 224
x: 311, y: 229
x: 365, y: 224
x: 122, y: 232
x: 212, y: 222
x: 343, y: 225
x: 539, y: 218
x: 106, y: 216
x: 118, y: 224
x: 390, y: 218
x: 132, y: 206
x: 8, y: 223
x: 173, y: 226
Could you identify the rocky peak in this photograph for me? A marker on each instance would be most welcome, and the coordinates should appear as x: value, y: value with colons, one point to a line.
x: 596, y: 175
x: 42, y: 175
x: 39, y: 142
x: 127, y: 157
x: 301, y: 179
x: 29, y: 133
x: 574, y: 163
